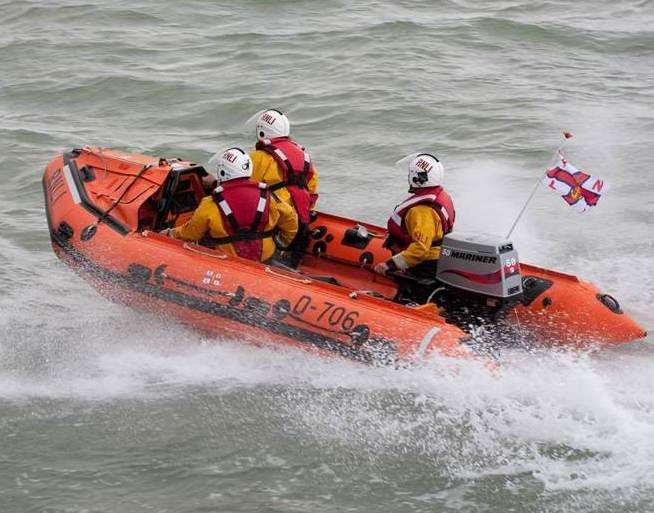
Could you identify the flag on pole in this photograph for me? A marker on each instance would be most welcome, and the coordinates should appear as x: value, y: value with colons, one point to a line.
x: 578, y: 189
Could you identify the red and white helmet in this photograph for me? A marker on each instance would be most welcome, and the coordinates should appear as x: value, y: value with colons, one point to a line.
x: 230, y: 164
x: 425, y: 170
x: 270, y: 124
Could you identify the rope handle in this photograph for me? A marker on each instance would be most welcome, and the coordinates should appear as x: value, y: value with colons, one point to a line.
x: 195, y: 249
x: 292, y: 278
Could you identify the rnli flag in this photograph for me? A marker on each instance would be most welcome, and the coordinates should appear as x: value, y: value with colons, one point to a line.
x: 577, y: 188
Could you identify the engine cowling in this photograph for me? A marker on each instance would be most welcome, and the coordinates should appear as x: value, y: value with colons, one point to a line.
x: 484, y: 265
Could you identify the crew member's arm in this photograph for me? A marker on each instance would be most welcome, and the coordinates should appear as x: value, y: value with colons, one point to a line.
x: 284, y: 218
x: 312, y: 186
x: 196, y: 227
x: 264, y: 168
x: 424, y: 227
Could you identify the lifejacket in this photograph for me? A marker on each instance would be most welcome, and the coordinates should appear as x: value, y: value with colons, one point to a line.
x: 244, y: 207
x: 436, y: 197
x: 295, y: 163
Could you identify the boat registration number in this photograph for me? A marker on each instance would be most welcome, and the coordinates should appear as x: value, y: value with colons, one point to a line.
x: 325, y: 312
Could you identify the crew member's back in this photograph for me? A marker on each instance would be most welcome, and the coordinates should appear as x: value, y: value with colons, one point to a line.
x: 240, y: 216
x: 288, y: 170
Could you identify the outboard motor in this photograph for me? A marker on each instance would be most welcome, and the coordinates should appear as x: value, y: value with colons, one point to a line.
x: 481, y: 277
x: 487, y: 266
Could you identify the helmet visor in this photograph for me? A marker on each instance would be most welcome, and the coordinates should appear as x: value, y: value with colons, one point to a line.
x: 251, y: 124
x: 212, y: 164
x: 402, y: 165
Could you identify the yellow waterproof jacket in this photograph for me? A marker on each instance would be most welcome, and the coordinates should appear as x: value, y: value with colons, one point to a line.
x: 424, y: 226
x: 266, y: 170
x: 207, y: 220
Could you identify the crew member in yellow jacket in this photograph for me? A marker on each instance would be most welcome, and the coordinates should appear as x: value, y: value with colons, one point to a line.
x: 286, y: 167
x: 423, y: 226
x: 267, y: 170
x: 418, y: 224
x: 240, y: 216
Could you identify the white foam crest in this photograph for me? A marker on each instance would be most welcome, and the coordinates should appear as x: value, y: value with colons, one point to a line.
x: 135, y: 358
x: 557, y: 416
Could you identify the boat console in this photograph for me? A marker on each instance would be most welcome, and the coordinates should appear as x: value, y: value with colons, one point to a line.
x: 180, y: 194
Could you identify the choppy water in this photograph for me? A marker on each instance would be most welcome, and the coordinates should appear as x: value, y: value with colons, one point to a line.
x: 105, y: 410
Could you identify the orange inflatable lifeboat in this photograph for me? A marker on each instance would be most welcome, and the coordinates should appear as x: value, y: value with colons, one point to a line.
x: 105, y: 207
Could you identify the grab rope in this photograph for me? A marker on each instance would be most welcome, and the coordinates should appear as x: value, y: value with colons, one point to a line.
x: 281, y: 275
x: 195, y: 249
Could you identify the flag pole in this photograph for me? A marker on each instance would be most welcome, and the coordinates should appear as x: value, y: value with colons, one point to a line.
x: 566, y: 136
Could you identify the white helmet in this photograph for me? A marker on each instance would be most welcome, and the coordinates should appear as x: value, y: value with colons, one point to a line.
x: 230, y: 164
x: 425, y: 170
x: 271, y: 124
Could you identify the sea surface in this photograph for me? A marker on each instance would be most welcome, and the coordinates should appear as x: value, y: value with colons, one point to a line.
x: 103, y: 409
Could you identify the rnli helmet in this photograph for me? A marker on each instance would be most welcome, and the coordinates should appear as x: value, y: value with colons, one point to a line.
x: 270, y: 124
x: 425, y: 170
x: 230, y: 164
